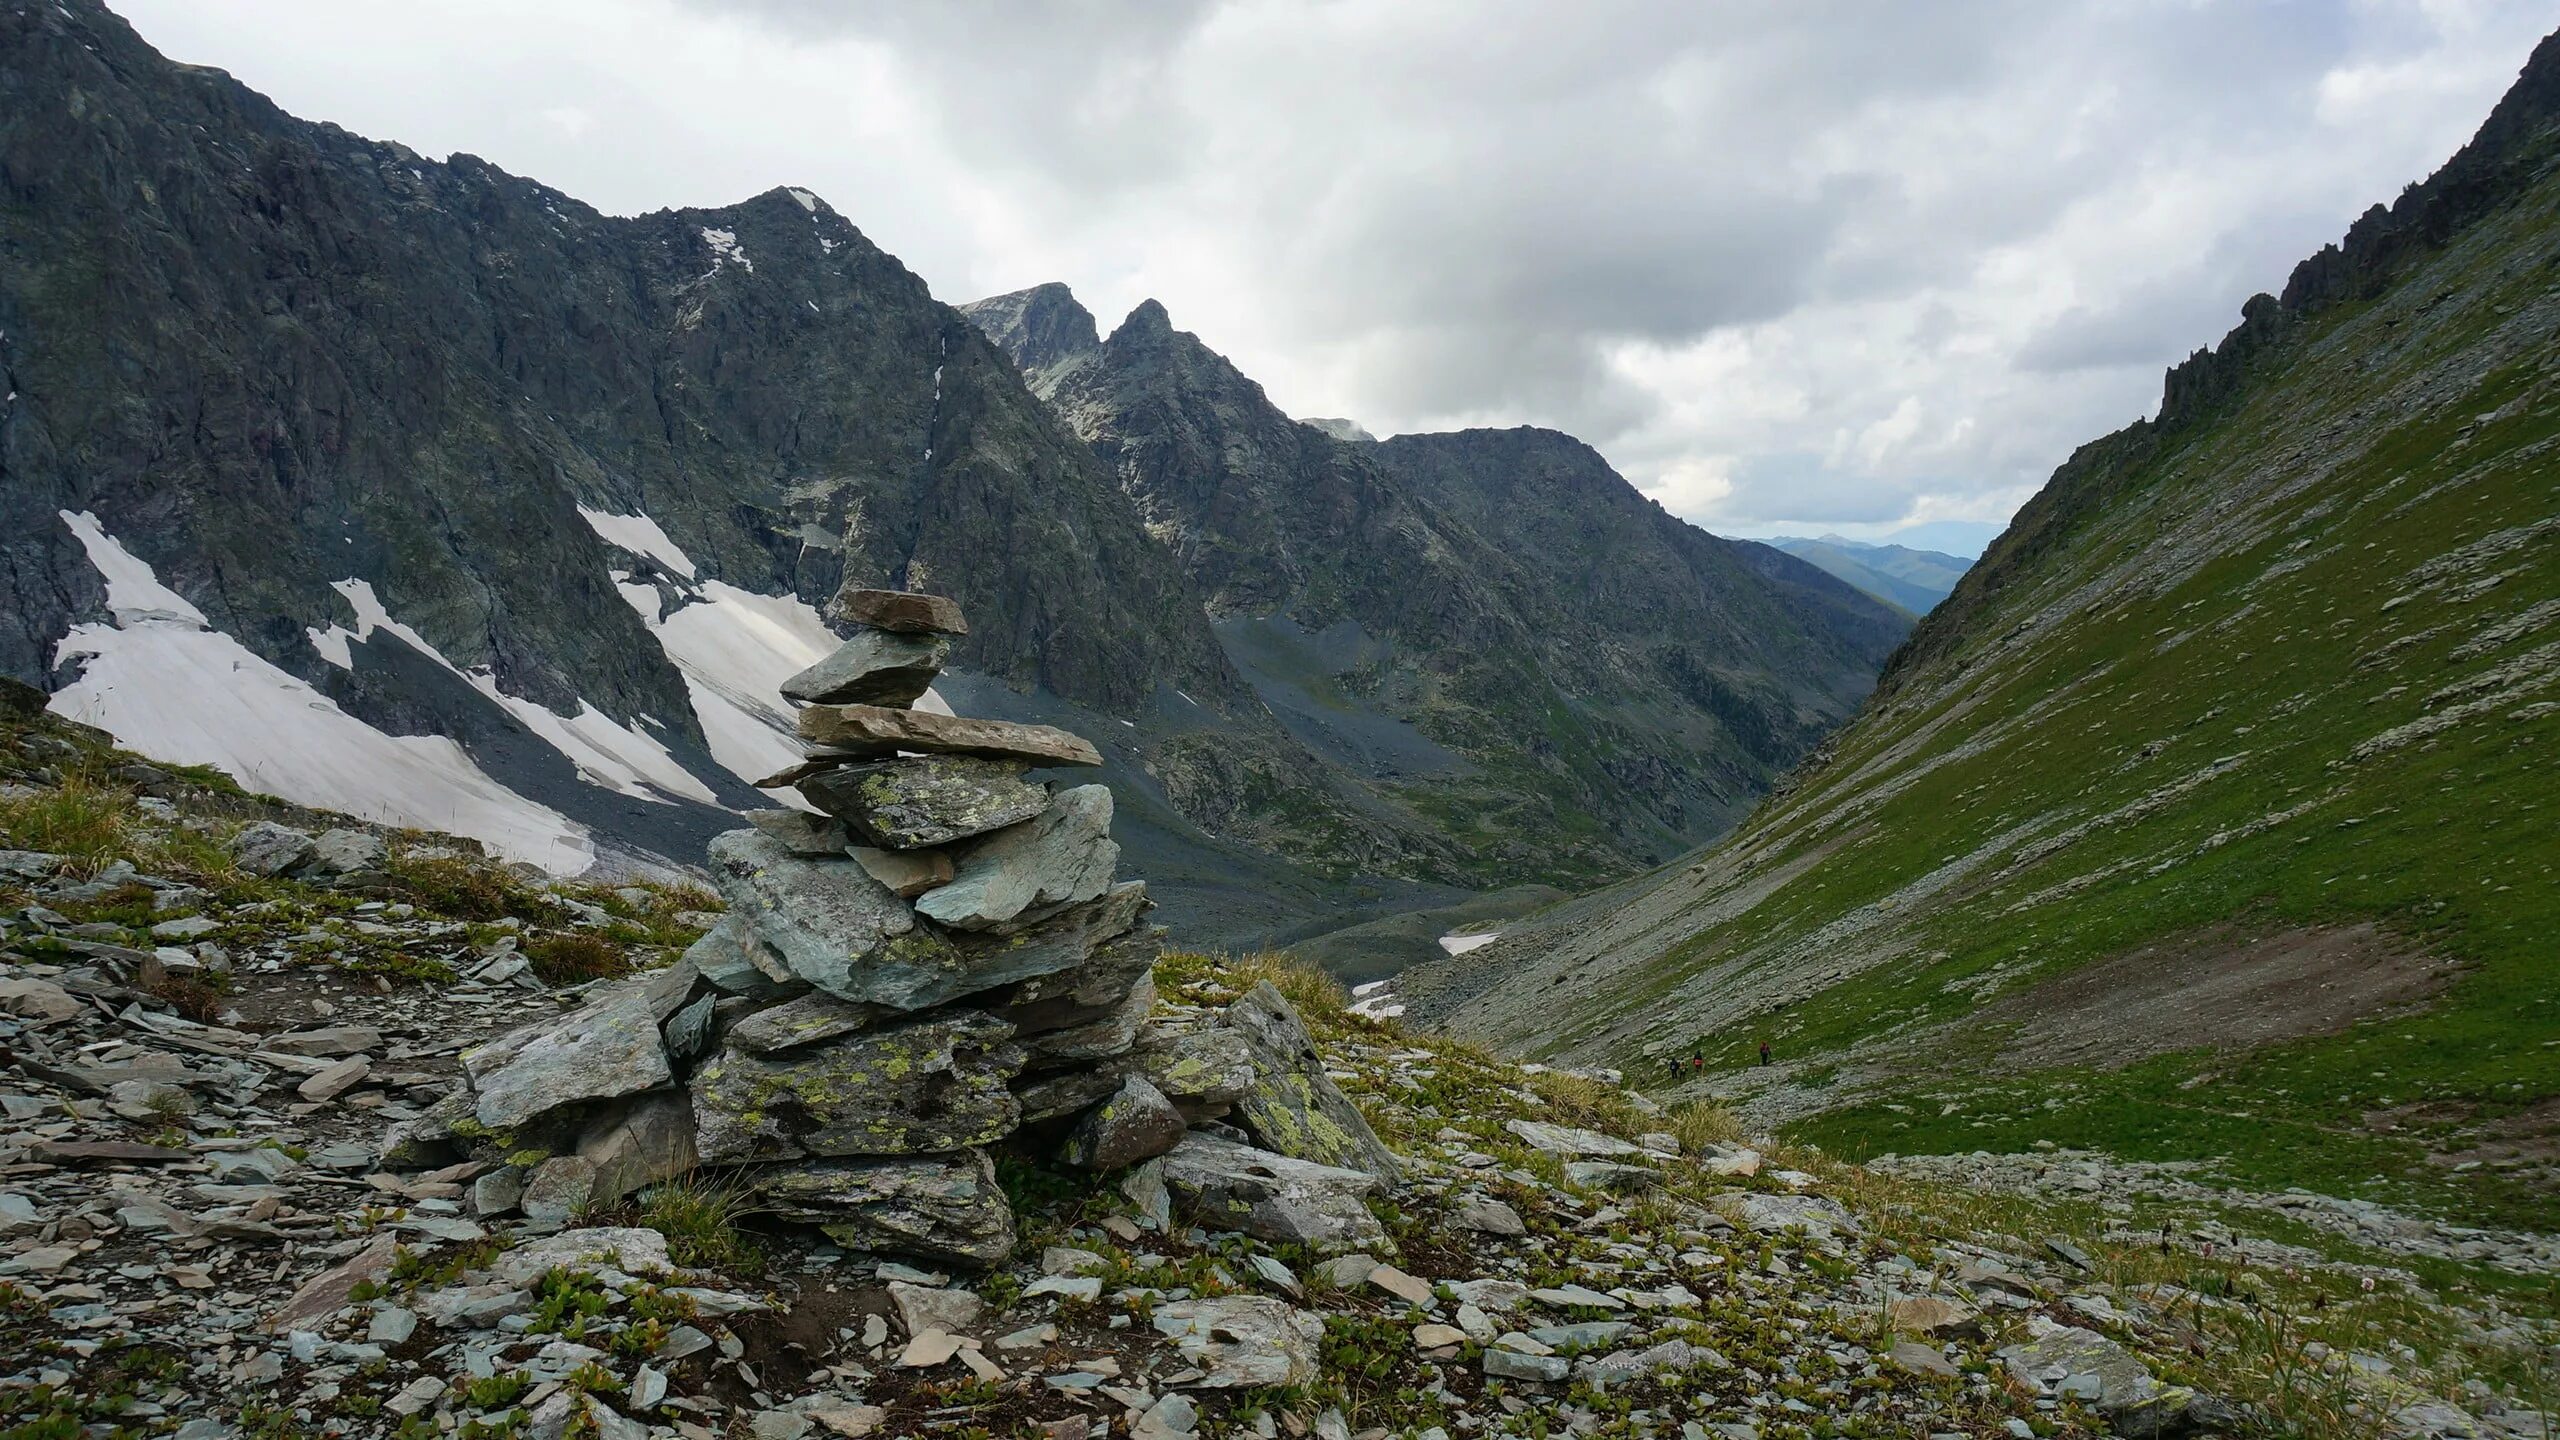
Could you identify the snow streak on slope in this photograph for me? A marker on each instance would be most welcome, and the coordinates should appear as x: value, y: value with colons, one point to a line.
x: 640, y: 535
x: 164, y: 684
x: 606, y: 752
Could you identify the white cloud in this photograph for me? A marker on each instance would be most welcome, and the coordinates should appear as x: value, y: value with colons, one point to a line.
x: 1785, y: 264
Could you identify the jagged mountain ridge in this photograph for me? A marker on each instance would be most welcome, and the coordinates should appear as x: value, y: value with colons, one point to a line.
x: 1587, y: 682
x: 432, y: 450
x: 2204, y: 820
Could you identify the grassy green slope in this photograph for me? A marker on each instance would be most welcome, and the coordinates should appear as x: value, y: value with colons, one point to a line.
x: 2280, y: 671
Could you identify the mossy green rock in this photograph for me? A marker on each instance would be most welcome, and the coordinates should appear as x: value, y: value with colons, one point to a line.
x: 1292, y: 1106
x: 1063, y: 857
x: 922, y: 801
x: 930, y: 1085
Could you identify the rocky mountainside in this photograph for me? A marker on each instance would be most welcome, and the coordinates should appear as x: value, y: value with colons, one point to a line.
x: 319, y: 456
x: 1915, y: 580
x: 1493, y: 625
x: 312, y: 1128
x: 2208, y: 820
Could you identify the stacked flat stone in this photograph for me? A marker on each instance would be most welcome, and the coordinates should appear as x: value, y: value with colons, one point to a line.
x: 930, y: 961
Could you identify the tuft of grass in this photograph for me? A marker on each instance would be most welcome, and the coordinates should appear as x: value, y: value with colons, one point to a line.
x: 88, y: 821
x: 1316, y: 994
x: 1703, y: 1123
x: 191, y: 998
x: 701, y: 1219
x: 574, y: 957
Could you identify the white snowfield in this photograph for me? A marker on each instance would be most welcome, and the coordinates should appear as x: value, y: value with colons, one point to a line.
x: 606, y: 752
x: 1461, y: 944
x: 1377, y: 999
x: 165, y: 684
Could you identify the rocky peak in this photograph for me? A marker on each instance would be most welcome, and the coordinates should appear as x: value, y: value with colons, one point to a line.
x: 1039, y: 327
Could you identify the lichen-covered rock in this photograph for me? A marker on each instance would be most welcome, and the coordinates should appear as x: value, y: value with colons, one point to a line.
x: 875, y: 667
x: 1113, y: 1032
x: 1205, y: 1070
x: 1137, y: 1123
x: 348, y: 852
x: 2090, y: 1368
x: 1064, y: 856
x: 943, y: 1207
x: 1292, y: 1106
x: 1226, y: 1186
x: 929, y: 1085
x: 917, y: 802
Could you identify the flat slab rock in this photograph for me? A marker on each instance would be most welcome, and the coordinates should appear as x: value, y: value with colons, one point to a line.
x: 936, y: 1207
x: 906, y: 611
x: 859, y: 726
x: 875, y: 667
x: 608, y: 1049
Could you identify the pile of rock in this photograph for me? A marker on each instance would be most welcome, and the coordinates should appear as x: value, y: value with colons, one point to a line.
x: 931, y: 961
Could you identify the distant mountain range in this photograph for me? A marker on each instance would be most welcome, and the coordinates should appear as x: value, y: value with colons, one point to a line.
x: 1912, y: 580
x: 423, y: 491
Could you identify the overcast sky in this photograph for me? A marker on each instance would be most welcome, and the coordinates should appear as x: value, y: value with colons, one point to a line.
x: 1791, y: 266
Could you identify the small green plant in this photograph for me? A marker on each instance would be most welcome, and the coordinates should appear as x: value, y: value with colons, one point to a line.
x: 575, y: 957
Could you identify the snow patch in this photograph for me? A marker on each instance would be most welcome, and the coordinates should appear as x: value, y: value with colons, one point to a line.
x: 606, y: 752
x: 1461, y: 944
x: 807, y: 201
x: 163, y: 683
x: 1377, y: 1000
x: 725, y: 248
x: 640, y: 535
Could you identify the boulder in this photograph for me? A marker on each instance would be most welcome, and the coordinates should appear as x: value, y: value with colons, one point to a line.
x: 1222, y: 1185
x: 924, y: 1307
x: 922, y: 801
x: 605, y: 1051
x: 930, y: 1085
x: 907, y: 612
x: 629, y: 1249
x: 1064, y: 856
x: 1775, y: 1214
x: 943, y: 1207
x: 560, y: 1190
x: 348, y: 852
x: 1292, y: 1106
x: 881, y: 731
x: 1243, y: 1341
x: 2089, y: 1367
x: 267, y: 848
x: 875, y: 667
x: 1137, y: 1123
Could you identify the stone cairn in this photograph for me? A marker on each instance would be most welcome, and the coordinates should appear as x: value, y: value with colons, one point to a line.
x: 935, y: 964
